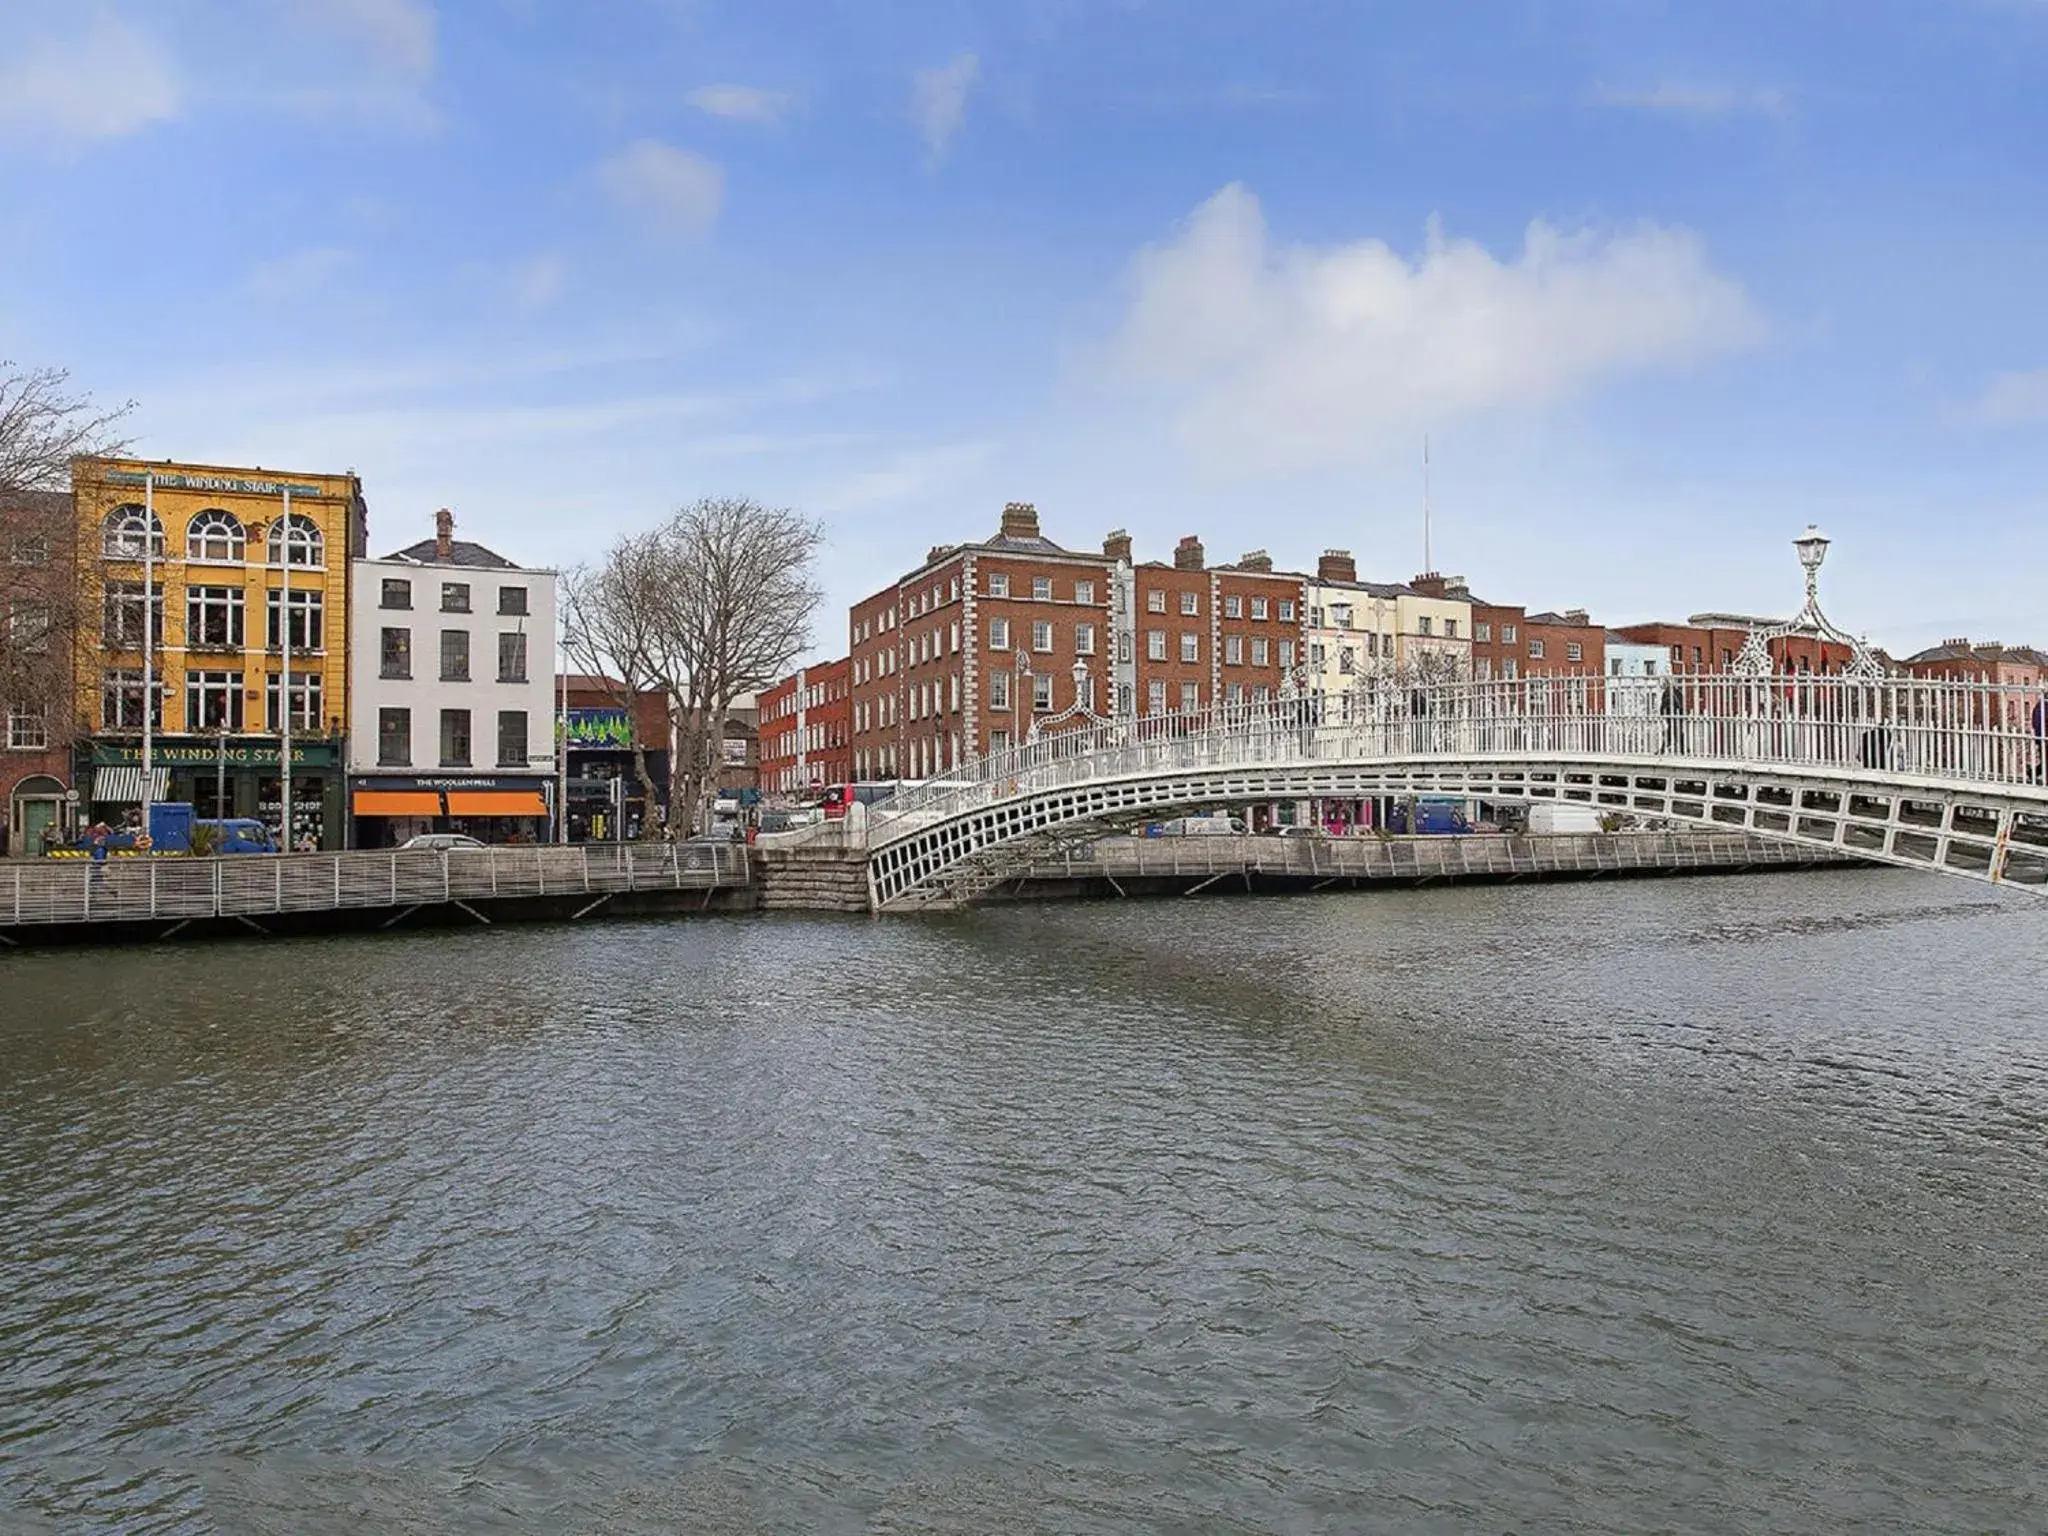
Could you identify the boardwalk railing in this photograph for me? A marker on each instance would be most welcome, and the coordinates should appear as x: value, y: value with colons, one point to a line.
x: 251, y: 886
x: 1954, y: 734
x: 1412, y: 858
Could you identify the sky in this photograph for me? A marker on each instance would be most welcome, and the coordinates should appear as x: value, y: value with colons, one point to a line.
x: 1659, y: 281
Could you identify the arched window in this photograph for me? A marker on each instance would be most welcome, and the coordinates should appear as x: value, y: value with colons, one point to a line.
x: 214, y: 535
x: 124, y: 531
x: 296, y: 544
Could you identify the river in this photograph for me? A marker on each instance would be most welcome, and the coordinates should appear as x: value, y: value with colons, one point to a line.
x: 1687, y: 1205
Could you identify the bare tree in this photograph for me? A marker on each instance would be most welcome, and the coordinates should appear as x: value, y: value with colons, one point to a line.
x: 44, y: 606
x: 43, y: 426
x: 714, y: 604
x: 742, y: 578
x: 47, y: 596
x: 611, y: 632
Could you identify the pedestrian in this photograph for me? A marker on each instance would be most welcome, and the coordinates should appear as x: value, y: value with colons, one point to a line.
x: 100, y: 838
x: 2040, y: 724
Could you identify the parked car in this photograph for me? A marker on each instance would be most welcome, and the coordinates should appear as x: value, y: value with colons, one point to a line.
x: 442, y: 842
x: 1302, y: 831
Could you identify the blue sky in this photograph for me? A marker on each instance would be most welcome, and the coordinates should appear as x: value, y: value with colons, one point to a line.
x: 1661, y: 282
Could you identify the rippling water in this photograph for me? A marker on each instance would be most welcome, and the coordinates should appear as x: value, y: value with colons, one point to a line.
x: 1691, y: 1205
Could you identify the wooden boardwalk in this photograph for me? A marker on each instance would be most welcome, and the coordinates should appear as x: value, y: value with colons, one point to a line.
x: 41, y: 897
x: 1196, y: 863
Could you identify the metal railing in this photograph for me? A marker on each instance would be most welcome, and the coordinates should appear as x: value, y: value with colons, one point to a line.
x: 1397, y: 858
x: 1897, y: 729
x: 253, y: 885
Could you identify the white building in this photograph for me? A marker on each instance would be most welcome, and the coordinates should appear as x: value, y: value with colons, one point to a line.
x: 452, y: 666
x: 1635, y: 676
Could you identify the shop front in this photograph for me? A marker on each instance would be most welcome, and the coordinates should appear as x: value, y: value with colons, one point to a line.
x: 605, y: 799
x: 220, y: 776
x: 387, y: 810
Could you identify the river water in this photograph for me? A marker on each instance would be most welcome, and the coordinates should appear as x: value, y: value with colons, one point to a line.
x: 1689, y: 1205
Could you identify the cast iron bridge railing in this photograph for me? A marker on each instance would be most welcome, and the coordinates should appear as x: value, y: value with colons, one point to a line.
x: 253, y: 887
x: 1930, y: 775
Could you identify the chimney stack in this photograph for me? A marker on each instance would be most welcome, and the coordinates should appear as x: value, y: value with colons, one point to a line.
x: 1576, y: 616
x: 1117, y: 546
x: 1336, y: 565
x: 444, y: 535
x: 1256, y: 560
x: 1187, y: 554
x: 1020, y: 521
x: 937, y: 553
x: 1430, y: 584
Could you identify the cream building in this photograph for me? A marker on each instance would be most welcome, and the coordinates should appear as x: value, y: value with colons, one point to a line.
x: 1358, y: 630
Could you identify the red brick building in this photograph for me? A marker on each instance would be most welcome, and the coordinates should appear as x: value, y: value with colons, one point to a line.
x: 40, y: 606
x: 602, y: 721
x: 1567, y: 644
x: 806, y: 728
x: 1711, y: 642
x: 1510, y: 643
x: 960, y: 656
x: 1205, y: 636
x: 2019, y: 667
x: 1175, y: 633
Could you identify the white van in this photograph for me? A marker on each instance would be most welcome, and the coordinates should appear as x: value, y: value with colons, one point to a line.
x: 1549, y: 818
x: 1216, y: 824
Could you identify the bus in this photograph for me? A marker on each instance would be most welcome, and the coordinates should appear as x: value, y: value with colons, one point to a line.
x: 837, y: 797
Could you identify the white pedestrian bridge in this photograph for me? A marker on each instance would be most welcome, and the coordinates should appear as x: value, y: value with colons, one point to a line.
x: 1930, y: 775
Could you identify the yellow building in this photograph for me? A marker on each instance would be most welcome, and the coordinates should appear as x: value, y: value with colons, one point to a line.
x: 227, y: 545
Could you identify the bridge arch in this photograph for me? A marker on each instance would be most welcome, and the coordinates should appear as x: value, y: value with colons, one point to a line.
x: 1902, y: 773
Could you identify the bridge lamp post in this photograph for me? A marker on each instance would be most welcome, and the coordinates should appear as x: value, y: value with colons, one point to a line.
x: 1755, y: 659
x: 1017, y: 704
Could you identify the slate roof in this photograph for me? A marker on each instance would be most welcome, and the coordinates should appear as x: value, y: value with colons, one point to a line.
x: 460, y: 552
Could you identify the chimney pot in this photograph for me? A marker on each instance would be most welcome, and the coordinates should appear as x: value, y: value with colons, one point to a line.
x: 937, y: 553
x: 1336, y: 565
x: 444, y: 535
x: 1256, y: 560
x: 1117, y: 546
x: 1577, y: 615
x: 1187, y: 554
x: 1020, y: 520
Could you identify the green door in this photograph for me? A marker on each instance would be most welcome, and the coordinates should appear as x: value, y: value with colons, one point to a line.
x: 36, y: 815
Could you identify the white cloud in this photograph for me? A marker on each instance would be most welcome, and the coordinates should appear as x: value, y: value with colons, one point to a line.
x: 938, y: 101
x: 904, y: 476
x: 741, y: 103
x: 675, y: 190
x: 1697, y: 100
x: 1299, y: 356
x: 537, y: 282
x: 399, y: 35
x: 104, y: 83
x: 2015, y: 399
x: 300, y: 272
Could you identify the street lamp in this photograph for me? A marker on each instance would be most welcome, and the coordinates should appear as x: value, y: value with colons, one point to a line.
x: 562, y: 737
x: 1023, y: 672
x: 1755, y: 659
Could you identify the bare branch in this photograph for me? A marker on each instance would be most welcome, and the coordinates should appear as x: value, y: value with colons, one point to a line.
x: 43, y: 426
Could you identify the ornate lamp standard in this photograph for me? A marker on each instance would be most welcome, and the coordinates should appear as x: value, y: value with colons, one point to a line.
x: 1017, y: 711
x: 1755, y: 658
